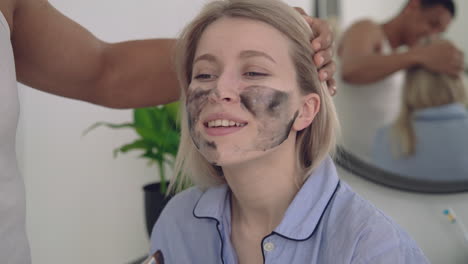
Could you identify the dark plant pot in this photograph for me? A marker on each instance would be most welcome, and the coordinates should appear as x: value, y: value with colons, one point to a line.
x: 154, y: 204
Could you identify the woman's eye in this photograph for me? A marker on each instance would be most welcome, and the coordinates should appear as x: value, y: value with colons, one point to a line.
x: 204, y: 77
x: 255, y: 74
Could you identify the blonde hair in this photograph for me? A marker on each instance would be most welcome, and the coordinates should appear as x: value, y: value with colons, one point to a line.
x: 423, y: 89
x: 313, y: 143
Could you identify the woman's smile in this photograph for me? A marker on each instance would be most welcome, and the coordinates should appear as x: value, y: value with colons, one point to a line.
x: 222, y: 124
x: 222, y: 130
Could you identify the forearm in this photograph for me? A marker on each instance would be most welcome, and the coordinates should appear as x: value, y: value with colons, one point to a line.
x: 373, y: 68
x: 56, y: 55
x: 137, y: 74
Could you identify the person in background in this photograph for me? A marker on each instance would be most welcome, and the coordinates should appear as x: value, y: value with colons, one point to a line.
x: 42, y: 48
x: 371, y: 68
x: 429, y: 139
x: 257, y: 132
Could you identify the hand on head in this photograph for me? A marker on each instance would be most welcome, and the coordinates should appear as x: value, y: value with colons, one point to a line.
x: 441, y: 56
x: 323, y: 48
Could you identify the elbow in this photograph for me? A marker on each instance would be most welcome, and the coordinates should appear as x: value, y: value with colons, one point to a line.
x: 355, y: 76
x: 102, y: 89
x: 350, y: 76
x: 347, y: 77
x: 108, y: 99
x: 106, y: 89
x: 103, y: 93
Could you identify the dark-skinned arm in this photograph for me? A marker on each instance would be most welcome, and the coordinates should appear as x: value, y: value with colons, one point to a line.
x: 56, y: 55
x: 362, y: 61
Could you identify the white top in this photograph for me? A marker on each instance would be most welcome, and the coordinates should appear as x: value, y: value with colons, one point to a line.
x: 362, y: 109
x: 14, y: 248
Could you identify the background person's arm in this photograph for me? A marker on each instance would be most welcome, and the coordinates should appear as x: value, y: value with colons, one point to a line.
x: 440, y: 56
x: 363, y: 63
x: 58, y: 56
x: 361, y: 60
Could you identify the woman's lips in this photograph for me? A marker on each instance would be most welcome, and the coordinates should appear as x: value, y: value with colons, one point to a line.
x: 222, y: 116
x: 221, y: 131
x: 221, y: 124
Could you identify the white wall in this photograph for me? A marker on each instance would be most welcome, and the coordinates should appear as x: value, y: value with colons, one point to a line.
x: 83, y: 206
x: 378, y: 10
x: 457, y: 31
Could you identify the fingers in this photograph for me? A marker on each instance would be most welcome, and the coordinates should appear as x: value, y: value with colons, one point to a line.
x: 457, y: 56
x: 301, y: 11
x: 322, y: 44
x: 323, y: 57
x: 323, y: 31
x: 460, y: 60
x: 457, y: 62
x: 327, y: 72
x: 332, y: 86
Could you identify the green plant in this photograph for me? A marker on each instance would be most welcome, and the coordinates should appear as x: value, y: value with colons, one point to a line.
x: 159, y: 135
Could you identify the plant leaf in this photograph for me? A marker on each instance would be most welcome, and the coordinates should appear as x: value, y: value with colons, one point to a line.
x: 139, y: 144
x: 173, y: 110
x: 159, y: 135
x: 109, y: 125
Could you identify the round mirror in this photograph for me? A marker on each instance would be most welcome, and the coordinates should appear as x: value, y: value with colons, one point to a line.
x: 390, y: 137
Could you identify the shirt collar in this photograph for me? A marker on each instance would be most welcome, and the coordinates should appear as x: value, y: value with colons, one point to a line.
x: 448, y: 111
x: 305, y: 211
x: 303, y: 214
x: 212, y: 203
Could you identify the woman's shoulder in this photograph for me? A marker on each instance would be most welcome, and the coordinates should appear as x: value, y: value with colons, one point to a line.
x: 360, y: 212
x: 375, y: 235
x: 175, y: 215
x: 183, y: 202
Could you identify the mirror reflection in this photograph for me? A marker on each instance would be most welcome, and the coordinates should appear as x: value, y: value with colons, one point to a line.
x: 402, y: 94
x: 428, y: 138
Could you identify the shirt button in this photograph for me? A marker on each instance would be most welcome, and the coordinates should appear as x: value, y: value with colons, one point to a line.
x: 268, y: 246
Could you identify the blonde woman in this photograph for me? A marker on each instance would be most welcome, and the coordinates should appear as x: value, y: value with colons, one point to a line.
x: 257, y: 131
x: 429, y: 140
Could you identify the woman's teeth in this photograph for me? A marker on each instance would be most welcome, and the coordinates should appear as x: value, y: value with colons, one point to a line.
x: 225, y: 123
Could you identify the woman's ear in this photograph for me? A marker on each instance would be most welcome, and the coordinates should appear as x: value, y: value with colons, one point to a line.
x: 307, y: 112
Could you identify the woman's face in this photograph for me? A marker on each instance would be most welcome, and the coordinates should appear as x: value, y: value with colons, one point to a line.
x: 243, y: 98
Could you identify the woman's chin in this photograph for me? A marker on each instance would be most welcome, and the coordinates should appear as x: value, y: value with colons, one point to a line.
x: 233, y: 159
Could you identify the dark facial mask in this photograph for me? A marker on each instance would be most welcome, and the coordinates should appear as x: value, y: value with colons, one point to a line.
x: 270, y: 107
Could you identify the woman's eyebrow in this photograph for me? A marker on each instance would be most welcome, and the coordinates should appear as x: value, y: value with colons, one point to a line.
x: 243, y: 55
x: 208, y: 57
x: 255, y: 53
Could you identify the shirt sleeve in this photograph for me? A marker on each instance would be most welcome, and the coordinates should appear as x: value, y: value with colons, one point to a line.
x: 386, y: 244
x: 168, y: 232
x: 159, y: 237
x: 395, y: 255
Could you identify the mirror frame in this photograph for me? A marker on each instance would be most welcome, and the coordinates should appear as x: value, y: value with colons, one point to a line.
x: 359, y: 167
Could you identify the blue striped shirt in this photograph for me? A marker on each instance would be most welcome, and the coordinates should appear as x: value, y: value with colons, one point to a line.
x: 325, y: 223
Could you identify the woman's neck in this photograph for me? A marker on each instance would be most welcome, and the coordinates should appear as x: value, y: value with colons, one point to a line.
x: 262, y: 189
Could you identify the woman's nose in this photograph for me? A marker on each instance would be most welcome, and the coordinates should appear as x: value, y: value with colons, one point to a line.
x: 227, y: 89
